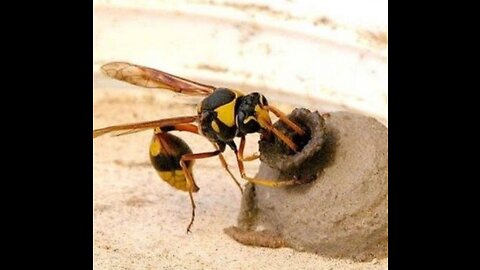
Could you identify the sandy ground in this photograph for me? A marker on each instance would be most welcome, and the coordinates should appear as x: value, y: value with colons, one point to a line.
x: 140, y: 221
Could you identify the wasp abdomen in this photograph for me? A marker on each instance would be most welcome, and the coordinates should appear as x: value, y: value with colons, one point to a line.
x: 166, y: 151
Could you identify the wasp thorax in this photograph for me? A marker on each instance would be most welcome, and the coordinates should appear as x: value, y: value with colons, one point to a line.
x: 251, y: 109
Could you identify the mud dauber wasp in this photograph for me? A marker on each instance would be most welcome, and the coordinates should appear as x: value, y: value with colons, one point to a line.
x: 222, y: 115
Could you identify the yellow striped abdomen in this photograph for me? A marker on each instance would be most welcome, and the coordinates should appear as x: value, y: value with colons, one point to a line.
x: 166, y: 151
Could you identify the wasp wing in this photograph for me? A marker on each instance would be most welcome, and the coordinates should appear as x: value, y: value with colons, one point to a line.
x: 152, y: 78
x: 137, y: 127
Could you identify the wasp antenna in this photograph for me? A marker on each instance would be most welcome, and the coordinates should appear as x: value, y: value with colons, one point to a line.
x: 285, y: 119
x: 280, y: 135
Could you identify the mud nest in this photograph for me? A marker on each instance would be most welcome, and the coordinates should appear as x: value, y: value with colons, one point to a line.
x: 342, y: 210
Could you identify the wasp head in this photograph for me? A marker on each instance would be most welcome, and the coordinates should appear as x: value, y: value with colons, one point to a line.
x: 252, y: 113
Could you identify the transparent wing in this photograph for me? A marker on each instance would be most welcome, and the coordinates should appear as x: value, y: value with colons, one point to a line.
x: 152, y: 78
x: 137, y: 127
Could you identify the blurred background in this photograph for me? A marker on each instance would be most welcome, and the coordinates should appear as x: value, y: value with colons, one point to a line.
x: 319, y: 54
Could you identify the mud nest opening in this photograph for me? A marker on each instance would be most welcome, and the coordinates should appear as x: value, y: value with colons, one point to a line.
x: 278, y: 155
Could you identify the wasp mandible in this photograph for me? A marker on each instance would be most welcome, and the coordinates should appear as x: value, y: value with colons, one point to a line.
x: 222, y: 115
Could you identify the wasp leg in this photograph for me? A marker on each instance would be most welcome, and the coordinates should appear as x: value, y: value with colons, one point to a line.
x: 191, y: 186
x: 225, y: 166
x: 261, y: 182
x: 248, y: 158
x: 285, y: 119
x: 251, y: 157
x: 265, y: 182
x: 194, y: 129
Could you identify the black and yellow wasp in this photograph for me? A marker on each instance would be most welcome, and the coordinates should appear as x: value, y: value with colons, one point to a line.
x: 221, y: 116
